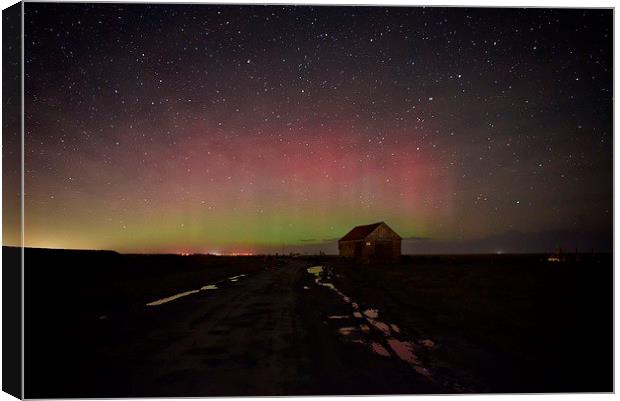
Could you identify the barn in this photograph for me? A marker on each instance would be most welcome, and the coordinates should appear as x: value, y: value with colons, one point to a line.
x: 371, y: 242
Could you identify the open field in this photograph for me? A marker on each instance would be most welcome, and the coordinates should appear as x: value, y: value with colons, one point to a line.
x: 502, y: 323
x: 284, y: 326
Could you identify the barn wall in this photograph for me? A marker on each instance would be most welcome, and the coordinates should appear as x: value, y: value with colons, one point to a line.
x: 382, y: 233
x: 368, y: 250
x: 347, y: 249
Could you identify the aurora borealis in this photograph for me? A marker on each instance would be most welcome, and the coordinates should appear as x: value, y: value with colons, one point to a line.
x: 201, y: 128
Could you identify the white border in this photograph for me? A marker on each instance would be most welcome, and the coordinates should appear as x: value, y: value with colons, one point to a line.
x: 478, y: 3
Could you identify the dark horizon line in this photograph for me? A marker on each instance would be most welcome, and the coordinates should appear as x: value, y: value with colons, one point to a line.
x: 241, y: 254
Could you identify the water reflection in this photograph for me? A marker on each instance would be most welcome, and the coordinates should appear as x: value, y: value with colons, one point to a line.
x: 403, y: 349
x: 172, y: 298
x: 186, y: 293
x: 382, y: 327
x: 379, y: 349
x: 316, y: 270
x: 371, y: 313
x: 345, y: 331
x: 397, y: 347
x: 428, y: 343
x: 209, y: 287
x: 236, y: 278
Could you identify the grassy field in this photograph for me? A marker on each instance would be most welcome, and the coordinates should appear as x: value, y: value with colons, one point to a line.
x: 103, y: 281
x: 501, y: 323
x: 69, y: 294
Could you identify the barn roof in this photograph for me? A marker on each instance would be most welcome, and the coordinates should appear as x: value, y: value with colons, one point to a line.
x: 360, y: 232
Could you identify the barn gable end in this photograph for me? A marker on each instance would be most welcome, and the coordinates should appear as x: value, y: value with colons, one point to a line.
x: 371, y: 242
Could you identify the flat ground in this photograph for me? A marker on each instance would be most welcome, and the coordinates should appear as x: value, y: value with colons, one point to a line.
x: 313, y: 326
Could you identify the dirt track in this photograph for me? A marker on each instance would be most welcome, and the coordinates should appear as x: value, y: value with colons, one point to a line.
x: 280, y: 331
x: 110, y: 325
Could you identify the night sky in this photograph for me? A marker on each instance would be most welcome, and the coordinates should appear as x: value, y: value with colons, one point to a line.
x: 202, y: 128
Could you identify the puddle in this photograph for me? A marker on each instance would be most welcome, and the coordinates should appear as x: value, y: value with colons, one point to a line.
x: 186, y: 293
x: 209, y: 287
x: 372, y: 313
x: 172, y: 298
x: 379, y: 349
x: 382, y: 327
x: 428, y: 343
x: 404, y: 350
x: 371, y: 316
x: 423, y: 371
x: 316, y: 270
x: 345, y: 331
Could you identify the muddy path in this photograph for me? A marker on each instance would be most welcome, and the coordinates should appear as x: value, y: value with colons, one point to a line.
x: 363, y: 327
x: 284, y: 330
